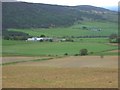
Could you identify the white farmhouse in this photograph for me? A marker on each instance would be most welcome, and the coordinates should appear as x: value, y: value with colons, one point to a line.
x: 39, y: 39
x: 30, y: 39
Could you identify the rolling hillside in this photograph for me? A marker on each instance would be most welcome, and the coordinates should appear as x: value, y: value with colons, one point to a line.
x: 91, y: 29
x: 36, y: 15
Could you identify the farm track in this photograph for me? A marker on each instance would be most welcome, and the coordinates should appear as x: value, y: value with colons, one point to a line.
x: 10, y: 60
x: 115, y: 51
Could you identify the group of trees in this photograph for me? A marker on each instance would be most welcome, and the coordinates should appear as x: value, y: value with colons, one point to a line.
x: 114, y: 38
x: 82, y: 52
x: 13, y: 35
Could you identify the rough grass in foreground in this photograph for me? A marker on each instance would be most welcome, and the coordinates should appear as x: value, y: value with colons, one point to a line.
x: 47, y: 77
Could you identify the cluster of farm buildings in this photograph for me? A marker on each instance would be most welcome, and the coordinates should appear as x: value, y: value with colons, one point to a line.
x: 38, y: 39
x: 44, y: 39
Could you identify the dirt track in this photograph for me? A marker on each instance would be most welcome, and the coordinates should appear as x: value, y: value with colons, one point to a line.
x: 115, y: 51
x: 20, y: 58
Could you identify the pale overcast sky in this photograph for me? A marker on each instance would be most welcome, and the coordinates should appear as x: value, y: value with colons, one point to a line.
x: 99, y: 3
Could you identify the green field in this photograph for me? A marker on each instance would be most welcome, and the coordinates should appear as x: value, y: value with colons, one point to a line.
x: 107, y: 28
x: 97, y: 46
x: 53, y: 48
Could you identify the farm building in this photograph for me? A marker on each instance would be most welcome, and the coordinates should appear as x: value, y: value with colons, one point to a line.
x: 34, y: 39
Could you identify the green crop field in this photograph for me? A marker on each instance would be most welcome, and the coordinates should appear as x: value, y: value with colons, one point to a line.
x: 107, y: 28
x: 52, y: 48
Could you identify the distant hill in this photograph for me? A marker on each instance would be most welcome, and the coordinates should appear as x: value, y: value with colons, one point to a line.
x: 8, y: 0
x: 91, y: 8
x: 113, y: 8
x: 36, y: 15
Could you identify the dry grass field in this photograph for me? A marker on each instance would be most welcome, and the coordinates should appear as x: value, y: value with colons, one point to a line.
x: 67, y: 72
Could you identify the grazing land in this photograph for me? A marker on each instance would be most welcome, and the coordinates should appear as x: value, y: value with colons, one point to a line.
x: 107, y: 28
x: 23, y: 48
